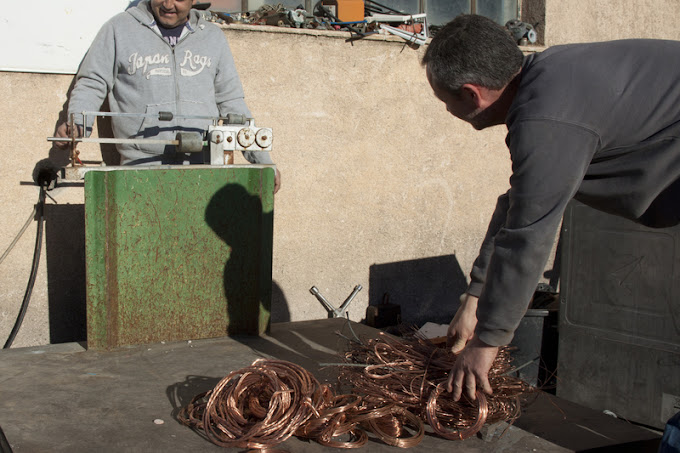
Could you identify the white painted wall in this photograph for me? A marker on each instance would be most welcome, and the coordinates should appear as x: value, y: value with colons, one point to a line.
x: 54, y: 34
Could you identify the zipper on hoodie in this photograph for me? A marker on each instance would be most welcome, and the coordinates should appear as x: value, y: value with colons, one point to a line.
x: 174, y: 76
x: 175, y: 69
x: 174, y: 61
x: 174, y: 64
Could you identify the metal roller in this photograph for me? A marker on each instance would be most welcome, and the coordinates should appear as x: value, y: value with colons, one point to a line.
x: 189, y: 142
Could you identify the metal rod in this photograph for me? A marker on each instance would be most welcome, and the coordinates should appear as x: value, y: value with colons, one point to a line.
x: 349, y: 298
x: 234, y: 118
x: 150, y: 141
x: 408, y: 36
x: 121, y: 114
x: 72, y: 125
x: 335, y: 312
x: 385, y: 7
x: 322, y: 299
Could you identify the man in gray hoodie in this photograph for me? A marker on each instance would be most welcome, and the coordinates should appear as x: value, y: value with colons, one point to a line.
x: 596, y: 122
x: 160, y: 55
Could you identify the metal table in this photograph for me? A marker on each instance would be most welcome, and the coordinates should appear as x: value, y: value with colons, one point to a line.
x: 63, y: 397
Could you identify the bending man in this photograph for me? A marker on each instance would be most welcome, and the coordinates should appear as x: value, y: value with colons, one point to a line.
x: 597, y: 122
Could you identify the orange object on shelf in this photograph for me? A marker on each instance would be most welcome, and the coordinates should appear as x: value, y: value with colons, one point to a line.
x: 346, y: 10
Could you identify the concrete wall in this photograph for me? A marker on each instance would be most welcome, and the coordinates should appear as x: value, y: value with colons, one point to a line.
x: 381, y: 186
x: 602, y: 20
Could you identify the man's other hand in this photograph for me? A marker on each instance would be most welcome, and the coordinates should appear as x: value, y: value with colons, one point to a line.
x: 462, y: 326
x: 471, y: 370
x: 64, y: 130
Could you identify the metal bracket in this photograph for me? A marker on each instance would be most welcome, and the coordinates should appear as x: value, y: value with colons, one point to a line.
x: 412, y: 37
x: 335, y: 312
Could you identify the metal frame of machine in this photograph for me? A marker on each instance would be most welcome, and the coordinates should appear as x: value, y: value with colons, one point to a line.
x: 225, y: 135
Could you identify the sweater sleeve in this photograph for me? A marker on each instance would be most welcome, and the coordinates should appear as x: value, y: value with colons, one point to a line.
x: 478, y: 273
x: 549, y: 161
x: 95, y: 77
x: 230, y: 97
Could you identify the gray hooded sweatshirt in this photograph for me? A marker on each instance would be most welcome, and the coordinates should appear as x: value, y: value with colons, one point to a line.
x: 597, y: 122
x: 131, y: 63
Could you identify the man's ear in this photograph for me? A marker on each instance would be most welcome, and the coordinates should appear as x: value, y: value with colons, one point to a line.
x: 472, y: 94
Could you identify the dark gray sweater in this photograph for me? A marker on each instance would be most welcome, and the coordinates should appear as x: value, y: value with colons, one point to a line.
x: 597, y: 122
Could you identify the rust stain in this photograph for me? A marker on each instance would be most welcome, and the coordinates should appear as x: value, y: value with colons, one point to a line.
x: 111, y: 263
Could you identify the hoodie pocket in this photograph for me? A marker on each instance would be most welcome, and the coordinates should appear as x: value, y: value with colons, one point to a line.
x: 203, y: 112
x: 151, y: 127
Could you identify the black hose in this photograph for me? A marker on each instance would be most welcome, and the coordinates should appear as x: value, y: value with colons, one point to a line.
x: 34, y: 269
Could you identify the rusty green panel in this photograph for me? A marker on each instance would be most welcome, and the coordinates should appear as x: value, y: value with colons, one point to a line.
x: 177, y: 253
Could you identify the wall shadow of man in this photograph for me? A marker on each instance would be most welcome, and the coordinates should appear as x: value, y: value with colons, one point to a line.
x: 238, y: 218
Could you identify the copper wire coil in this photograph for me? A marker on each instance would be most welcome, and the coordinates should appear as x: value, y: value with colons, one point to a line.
x: 399, y: 388
x: 390, y: 429
x: 358, y: 436
x: 416, y: 368
x: 261, y: 405
x: 433, y: 420
x: 267, y: 450
x: 387, y: 367
x: 331, y: 421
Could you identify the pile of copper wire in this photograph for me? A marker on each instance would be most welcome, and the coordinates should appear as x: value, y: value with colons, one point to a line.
x: 262, y: 405
x: 412, y: 372
x: 397, y: 387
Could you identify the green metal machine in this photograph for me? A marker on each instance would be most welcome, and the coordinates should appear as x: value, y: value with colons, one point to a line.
x: 179, y: 252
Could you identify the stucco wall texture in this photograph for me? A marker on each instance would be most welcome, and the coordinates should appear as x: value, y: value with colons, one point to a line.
x: 380, y: 185
x: 601, y: 20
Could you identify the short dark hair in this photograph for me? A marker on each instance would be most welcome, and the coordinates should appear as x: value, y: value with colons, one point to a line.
x: 472, y: 49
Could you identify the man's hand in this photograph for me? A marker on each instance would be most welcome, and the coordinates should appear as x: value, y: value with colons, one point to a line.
x: 472, y: 370
x: 462, y: 326
x: 64, y: 130
x: 277, y: 180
